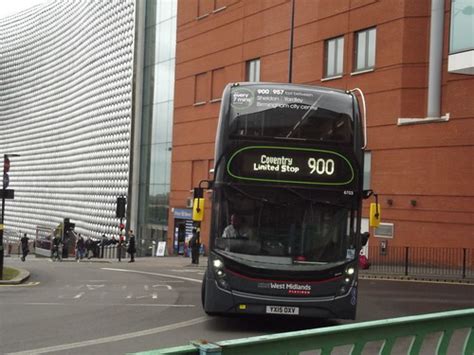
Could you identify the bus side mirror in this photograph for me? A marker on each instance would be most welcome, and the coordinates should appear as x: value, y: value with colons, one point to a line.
x: 374, y: 219
x: 364, y: 238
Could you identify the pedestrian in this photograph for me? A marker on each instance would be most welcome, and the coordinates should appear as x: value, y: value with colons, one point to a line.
x: 89, y: 247
x: 80, y: 247
x: 103, y: 243
x: 194, y: 244
x: 24, y: 246
x: 56, y: 248
x: 131, y: 246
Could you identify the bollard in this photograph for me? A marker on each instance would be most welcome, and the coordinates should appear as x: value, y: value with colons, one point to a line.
x: 207, y: 348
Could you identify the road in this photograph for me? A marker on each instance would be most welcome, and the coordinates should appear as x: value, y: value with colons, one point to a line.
x: 116, y: 308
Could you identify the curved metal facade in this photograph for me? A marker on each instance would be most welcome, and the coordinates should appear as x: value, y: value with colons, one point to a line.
x: 65, y: 108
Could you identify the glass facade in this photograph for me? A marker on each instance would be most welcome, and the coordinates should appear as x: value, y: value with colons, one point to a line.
x: 157, y: 123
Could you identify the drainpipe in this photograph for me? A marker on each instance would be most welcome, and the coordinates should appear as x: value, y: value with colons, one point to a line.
x: 435, y: 68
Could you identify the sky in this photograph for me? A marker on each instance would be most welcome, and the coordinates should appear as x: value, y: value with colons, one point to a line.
x: 10, y: 7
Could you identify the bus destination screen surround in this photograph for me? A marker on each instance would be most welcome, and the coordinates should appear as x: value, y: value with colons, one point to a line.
x: 290, y: 165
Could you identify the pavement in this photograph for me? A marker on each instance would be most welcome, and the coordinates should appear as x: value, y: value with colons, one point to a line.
x: 22, y: 276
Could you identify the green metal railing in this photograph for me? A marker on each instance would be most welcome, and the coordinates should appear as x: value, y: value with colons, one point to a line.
x: 437, y: 328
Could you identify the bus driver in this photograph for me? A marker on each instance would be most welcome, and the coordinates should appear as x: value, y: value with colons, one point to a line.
x: 236, y: 228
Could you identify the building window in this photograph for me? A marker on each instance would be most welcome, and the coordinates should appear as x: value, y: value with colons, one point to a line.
x: 365, y: 50
x: 333, y: 57
x: 201, y: 89
x: 462, y: 26
x: 253, y: 70
x: 218, y: 83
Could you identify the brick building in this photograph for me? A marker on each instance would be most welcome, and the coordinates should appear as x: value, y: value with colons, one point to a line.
x: 414, y: 60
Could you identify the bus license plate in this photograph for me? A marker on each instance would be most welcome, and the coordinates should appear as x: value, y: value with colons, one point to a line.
x: 283, y: 310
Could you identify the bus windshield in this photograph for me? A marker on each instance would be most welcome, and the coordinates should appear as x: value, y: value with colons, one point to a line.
x: 291, y: 114
x: 282, y: 222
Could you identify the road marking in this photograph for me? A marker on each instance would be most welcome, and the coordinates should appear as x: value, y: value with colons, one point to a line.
x: 94, y: 287
x: 154, y: 295
x: 23, y: 285
x: 167, y: 286
x: 113, y: 338
x: 154, y: 273
x: 191, y: 270
x: 79, y: 295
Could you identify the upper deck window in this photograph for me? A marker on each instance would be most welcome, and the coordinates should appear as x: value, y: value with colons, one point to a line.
x: 282, y: 113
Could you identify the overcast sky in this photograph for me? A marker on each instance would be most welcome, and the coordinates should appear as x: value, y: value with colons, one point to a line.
x: 10, y: 7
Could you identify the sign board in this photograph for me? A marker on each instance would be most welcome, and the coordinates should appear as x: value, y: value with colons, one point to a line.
x: 384, y: 230
x: 9, y: 194
x: 291, y: 165
x: 181, y: 213
x: 160, y: 251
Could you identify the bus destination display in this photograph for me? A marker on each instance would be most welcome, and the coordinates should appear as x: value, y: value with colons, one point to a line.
x: 262, y: 98
x: 291, y: 165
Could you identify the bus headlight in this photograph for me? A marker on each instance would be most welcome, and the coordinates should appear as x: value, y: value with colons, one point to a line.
x: 217, y: 264
x: 219, y: 272
x: 347, y: 280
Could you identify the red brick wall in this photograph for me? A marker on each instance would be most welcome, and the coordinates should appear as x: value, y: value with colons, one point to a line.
x: 429, y: 163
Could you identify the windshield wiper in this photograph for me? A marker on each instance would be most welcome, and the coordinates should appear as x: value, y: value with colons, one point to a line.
x: 303, y: 118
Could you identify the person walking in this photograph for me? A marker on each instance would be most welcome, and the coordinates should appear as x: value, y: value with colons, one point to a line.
x: 195, y: 245
x: 24, y: 246
x: 80, y: 247
x: 131, y: 246
x: 56, y: 248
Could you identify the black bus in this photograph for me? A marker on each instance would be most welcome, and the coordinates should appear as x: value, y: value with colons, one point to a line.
x: 286, y: 203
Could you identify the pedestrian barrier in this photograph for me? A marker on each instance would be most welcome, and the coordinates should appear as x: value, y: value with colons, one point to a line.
x: 111, y: 252
x: 453, y: 263
x: 429, y: 333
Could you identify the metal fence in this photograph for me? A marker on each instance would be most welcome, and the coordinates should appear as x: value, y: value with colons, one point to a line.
x: 455, y: 263
x: 437, y: 333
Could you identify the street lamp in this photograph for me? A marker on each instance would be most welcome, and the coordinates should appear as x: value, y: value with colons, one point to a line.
x: 6, y: 181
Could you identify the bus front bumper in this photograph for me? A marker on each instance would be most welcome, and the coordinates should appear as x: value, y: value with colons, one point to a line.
x: 221, y: 301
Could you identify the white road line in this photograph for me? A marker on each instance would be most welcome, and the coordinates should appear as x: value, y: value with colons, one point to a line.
x: 79, y: 295
x: 154, y: 296
x: 113, y: 338
x: 154, y: 273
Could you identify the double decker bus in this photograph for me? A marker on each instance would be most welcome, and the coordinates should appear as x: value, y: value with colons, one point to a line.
x: 286, y: 204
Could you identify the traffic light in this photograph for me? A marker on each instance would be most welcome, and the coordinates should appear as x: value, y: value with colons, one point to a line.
x: 121, y: 201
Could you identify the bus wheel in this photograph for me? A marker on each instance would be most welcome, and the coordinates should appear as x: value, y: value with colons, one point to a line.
x: 203, y: 296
